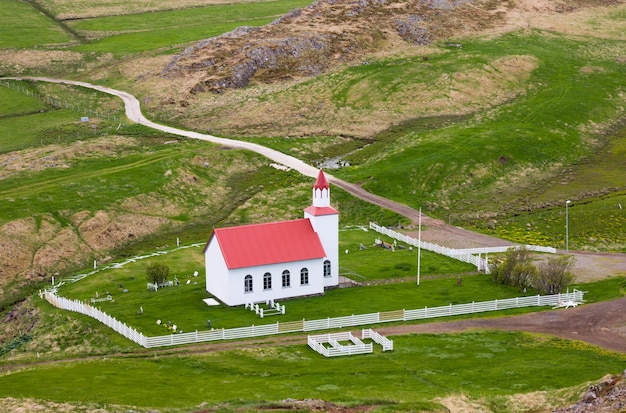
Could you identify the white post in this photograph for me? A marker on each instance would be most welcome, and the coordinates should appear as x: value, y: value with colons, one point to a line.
x: 567, y: 226
x: 419, y: 246
x: 94, y: 264
x: 177, y: 242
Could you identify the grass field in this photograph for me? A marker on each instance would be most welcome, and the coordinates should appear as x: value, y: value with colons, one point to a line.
x: 420, y: 369
x: 29, y: 28
x: 139, y: 33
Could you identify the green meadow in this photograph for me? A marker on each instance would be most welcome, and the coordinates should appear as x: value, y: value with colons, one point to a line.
x: 420, y: 369
x: 138, y: 33
x: 559, y: 137
x: 28, y: 27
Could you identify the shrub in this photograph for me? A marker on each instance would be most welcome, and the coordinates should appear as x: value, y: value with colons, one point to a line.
x: 157, y: 273
x: 554, y: 275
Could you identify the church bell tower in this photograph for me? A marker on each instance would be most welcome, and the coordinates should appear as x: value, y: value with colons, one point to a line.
x: 325, y: 221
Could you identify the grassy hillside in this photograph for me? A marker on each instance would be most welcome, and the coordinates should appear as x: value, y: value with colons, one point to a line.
x: 487, y: 115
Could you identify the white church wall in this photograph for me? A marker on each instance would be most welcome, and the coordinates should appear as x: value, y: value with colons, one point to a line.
x: 327, y: 228
x: 238, y: 296
x: 216, y: 271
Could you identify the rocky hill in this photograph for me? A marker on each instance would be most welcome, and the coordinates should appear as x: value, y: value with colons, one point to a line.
x: 310, y: 41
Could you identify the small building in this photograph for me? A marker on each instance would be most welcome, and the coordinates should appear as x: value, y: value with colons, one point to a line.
x: 276, y: 260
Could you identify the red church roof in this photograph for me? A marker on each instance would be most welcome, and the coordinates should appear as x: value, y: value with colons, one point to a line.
x: 271, y: 243
x: 319, y: 211
x: 321, y: 182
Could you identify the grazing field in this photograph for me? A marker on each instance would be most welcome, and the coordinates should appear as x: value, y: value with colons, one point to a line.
x: 14, y: 103
x: 485, y: 366
x: 28, y: 27
x: 138, y: 33
x: 85, y: 9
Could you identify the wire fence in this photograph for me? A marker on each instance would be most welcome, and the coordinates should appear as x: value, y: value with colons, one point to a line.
x: 116, y: 120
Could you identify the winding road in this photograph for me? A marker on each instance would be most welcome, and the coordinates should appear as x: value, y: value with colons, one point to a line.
x: 588, y: 266
x: 133, y: 112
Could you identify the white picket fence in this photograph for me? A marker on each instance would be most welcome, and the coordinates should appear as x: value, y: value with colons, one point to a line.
x: 93, y: 312
x: 470, y: 255
x: 378, y: 338
x: 555, y: 300
x: 337, y: 349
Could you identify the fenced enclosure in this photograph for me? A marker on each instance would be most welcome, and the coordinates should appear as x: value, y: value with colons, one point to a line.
x: 465, y: 255
x: 329, y: 323
x: 318, y: 343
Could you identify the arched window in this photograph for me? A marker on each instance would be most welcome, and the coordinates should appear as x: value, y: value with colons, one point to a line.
x: 327, y: 268
x: 247, y: 284
x: 267, y: 281
x: 304, y: 276
x: 286, y: 278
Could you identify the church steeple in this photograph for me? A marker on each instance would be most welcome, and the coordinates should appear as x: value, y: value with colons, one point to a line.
x: 325, y: 221
x: 321, y: 191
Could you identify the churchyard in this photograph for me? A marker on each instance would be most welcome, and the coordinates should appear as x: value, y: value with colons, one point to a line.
x: 388, y: 276
x: 387, y: 282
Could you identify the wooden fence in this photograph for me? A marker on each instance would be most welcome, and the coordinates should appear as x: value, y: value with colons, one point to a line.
x: 311, y: 325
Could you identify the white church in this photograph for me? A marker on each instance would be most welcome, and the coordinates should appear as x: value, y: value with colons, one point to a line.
x: 276, y: 260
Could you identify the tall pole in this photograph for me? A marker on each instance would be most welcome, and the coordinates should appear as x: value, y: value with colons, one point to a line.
x: 419, y: 246
x: 567, y: 225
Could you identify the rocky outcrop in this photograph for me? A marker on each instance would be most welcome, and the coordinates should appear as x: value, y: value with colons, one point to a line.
x: 310, y: 41
x: 609, y: 395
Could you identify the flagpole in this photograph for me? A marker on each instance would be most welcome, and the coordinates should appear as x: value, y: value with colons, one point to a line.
x: 419, y: 246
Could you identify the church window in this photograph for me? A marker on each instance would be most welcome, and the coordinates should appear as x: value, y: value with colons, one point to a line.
x: 247, y: 284
x: 267, y: 281
x: 304, y: 276
x: 327, y: 268
x: 286, y: 278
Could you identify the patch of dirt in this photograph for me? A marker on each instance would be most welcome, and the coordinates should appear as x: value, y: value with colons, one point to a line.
x: 310, y: 41
x: 106, y: 230
x: 20, y: 320
x: 606, y: 396
x: 462, y: 403
x: 24, y: 405
x: 82, y: 9
x: 64, y: 250
x: 62, y: 156
x: 18, y: 62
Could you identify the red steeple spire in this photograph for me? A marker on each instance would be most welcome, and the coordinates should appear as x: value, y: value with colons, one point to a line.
x: 321, y: 182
